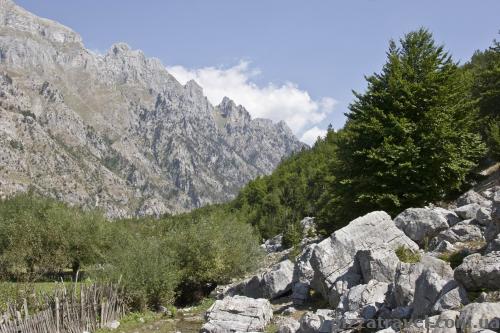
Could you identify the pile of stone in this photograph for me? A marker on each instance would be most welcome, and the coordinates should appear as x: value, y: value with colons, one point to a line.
x: 381, y: 270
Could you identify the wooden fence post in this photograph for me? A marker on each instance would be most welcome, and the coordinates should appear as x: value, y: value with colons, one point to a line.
x: 57, y: 316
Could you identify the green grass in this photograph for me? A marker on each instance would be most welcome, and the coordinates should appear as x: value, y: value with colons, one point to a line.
x: 271, y: 328
x: 188, y: 320
x: 407, y: 255
x: 454, y: 258
x: 15, y: 292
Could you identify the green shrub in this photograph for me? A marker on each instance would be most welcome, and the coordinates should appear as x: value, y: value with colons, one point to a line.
x: 407, y: 255
x: 454, y: 258
x: 40, y: 236
x: 147, y: 268
x: 493, y: 139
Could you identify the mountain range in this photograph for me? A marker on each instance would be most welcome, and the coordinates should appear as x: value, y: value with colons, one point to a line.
x: 117, y: 131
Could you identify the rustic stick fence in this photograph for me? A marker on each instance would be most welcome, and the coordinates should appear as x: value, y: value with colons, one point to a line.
x: 81, y: 308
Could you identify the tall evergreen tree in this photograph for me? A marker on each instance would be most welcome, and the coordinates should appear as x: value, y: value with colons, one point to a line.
x: 485, y: 71
x: 408, y: 139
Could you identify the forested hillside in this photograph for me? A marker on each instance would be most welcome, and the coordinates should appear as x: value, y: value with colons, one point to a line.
x: 415, y: 136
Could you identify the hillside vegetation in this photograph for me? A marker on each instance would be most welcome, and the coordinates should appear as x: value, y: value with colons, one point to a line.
x: 415, y: 136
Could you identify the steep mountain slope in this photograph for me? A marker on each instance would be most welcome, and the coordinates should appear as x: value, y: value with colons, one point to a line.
x: 117, y: 131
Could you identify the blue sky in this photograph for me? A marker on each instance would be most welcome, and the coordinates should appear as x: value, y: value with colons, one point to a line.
x: 282, y: 59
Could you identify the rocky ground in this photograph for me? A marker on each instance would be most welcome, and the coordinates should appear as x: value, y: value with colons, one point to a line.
x: 377, y: 273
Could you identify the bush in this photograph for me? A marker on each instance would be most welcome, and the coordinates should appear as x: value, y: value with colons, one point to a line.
x: 40, y: 236
x: 147, y: 268
x: 212, y: 250
x: 493, y: 139
x: 454, y: 258
x: 159, y: 261
x: 407, y: 255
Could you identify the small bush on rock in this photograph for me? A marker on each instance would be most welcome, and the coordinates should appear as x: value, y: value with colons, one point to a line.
x: 454, y: 258
x: 407, y: 255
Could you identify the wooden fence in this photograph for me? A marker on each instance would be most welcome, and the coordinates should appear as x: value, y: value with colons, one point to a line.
x: 81, y: 308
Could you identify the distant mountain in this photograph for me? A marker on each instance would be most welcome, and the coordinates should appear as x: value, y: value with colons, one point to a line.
x: 117, y: 131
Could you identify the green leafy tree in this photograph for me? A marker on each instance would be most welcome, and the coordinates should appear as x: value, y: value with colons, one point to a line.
x: 493, y: 137
x: 484, y: 68
x: 409, y: 138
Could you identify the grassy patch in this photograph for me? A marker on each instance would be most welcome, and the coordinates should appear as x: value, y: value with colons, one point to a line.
x: 271, y: 328
x: 407, y: 255
x: 133, y: 321
x: 454, y: 258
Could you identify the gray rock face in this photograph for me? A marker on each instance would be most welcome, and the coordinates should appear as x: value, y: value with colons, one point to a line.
x: 378, y: 264
x: 476, y: 317
x: 364, y: 301
x: 451, y: 217
x: 483, y: 216
x: 421, y: 224
x: 117, y: 131
x: 472, y: 197
x: 463, y: 232
x: 408, y: 275
x: 334, y: 258
x: 493, y: 229
x: 435, y: 293
x: 302, y: 276
x: 468, y: 212
x: 238, y: 314
x: 494, y: 245
x: 278, y: 280
x: 480, y: 272
x: 443, y: 323
x: 270, y: 284
x: 287, y: 325
x: 319, y: 322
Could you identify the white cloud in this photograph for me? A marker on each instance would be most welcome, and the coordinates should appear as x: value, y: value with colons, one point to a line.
x: 311, y: 135
x: 276, y: 102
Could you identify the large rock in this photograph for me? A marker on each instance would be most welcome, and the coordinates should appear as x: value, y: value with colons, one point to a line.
x: 472, y: 197
x: 302, y: 275
x: 421, y: 224
x: 494, y: 245
x: 493, y: 229
x: 270, y: 284
x: 334, y: 257
x: 476, y: 317
x: 463, y: 232
x: 408, y: 274
x: 378, y: 264
x: 468, y: 212
x: 483, y: 216
x: 238, y: 314
x: 452, y: 297
x: 435, y: 293
x: 480, y: 272
x: 319, y: 322
x: 287, y: 325
x: 278, y: 280
x: 363, y: 301
x: 443, y: 323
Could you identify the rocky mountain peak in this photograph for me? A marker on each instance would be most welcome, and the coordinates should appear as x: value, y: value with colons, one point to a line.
x: 20, y: 20
x: 233, y: 113
x: 118, y: 131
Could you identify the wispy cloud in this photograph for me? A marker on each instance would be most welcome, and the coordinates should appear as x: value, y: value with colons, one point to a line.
x: 276, y: 102
x: 311, y: 135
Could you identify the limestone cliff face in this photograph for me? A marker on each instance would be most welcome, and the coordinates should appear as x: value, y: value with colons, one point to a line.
x: 117, y: 131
